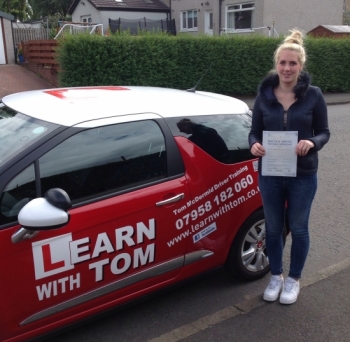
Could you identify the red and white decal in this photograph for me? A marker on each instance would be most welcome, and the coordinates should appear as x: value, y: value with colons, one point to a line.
x: 81, y: 93
x: 52, y: 256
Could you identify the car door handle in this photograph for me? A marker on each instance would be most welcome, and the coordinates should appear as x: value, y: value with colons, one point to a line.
x: 23, y: 234
x: 170, y: 200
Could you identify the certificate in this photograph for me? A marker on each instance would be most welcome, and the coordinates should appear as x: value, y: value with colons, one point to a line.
x: 280, y: 158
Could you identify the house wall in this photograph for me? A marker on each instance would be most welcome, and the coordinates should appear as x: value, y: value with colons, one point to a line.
x: 282, y: 15
x: 85, y: 11
x: 103, y: 17
x: 7, y: 52
x: 11, y: 58
x: 347, y: 5
x: 177, y: 6
x: 301, y: 14
x: 2, y: 43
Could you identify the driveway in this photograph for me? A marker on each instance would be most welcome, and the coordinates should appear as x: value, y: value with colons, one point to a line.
x: 15, y: 78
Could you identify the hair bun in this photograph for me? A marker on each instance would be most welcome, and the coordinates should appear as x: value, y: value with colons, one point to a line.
x: 296, y: 37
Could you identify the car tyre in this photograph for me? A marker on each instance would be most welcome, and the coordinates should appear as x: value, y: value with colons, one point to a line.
x: 248, y: 256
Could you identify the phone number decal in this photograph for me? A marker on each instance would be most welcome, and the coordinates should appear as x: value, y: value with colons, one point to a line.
x: 222, y: 198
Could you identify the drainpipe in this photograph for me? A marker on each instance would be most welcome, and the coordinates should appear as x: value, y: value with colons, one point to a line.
x: 170, y: 8
x: 220, y: 8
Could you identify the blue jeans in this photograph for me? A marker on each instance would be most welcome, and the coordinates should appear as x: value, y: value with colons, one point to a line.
x: 299, y: 193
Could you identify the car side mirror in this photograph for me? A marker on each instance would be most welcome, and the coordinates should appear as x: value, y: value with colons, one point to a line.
x: 46, y: 213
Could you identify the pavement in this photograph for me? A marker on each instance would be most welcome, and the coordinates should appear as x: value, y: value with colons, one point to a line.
x: 320, y: 314
x: 15, y: 78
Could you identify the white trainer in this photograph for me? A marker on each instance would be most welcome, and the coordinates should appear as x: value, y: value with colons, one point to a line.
x: 290, y: 292
x: 274, y: 288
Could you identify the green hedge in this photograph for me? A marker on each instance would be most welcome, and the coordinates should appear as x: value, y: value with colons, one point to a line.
x: 238, y: 63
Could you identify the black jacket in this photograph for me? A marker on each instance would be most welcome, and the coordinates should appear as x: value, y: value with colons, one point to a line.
x: 307, y: 115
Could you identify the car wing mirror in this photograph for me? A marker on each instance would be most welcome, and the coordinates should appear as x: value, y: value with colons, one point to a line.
x: 46, y: 213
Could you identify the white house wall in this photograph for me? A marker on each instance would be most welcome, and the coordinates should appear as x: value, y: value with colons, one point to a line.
x: 283, y: 14
x: 11, y: 58
x: 2, y: 45
x: 102, y: 17
x: 6, y: 42
x: 177, y: 6
x: 86, y: 10
x: 305, y: 15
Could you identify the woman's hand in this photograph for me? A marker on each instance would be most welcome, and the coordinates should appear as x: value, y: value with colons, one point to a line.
x: 303, y: 147
x: 257, y: 150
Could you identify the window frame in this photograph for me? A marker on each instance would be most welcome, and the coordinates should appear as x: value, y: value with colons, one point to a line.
x: 239, y: 9
x: 184, y: 20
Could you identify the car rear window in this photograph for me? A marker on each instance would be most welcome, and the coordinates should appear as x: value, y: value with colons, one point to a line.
x: 224, y: 137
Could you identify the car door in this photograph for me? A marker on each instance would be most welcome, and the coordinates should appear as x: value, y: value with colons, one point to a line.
x: 124, y: 180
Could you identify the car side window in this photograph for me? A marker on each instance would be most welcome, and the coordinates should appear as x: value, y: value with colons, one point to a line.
x: 17, y: 193
x: 224, y: 137
x: 106, y: 159
x: 92, y: 163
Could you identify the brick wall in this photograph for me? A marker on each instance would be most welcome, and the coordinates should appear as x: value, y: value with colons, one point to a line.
x: 48, y: 73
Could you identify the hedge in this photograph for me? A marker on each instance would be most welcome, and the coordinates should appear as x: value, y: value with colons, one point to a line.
x: 237, y: 64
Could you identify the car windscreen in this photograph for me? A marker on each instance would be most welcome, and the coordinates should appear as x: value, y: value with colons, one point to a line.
x: 18, y: 132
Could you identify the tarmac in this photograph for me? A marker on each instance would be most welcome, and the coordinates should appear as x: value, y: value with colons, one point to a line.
x: 325, y: 295
x: 15, y: 78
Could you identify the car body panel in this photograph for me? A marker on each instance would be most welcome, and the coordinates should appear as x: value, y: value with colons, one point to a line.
x: 96, y: 248
x: 123, y: 244
x: 86, y: 105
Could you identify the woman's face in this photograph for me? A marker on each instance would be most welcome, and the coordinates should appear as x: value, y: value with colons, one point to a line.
x: 288, y: 67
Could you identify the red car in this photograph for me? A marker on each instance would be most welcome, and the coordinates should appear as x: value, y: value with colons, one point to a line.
x: 111, y: 193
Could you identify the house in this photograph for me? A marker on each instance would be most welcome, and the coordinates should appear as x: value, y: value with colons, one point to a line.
x: 332, y: 31
x: 31, y: 24
x: 346, y: 17
x: 346, y: 5
x: 132, y: 12
x: 268, y: 17
x: 7, y: 50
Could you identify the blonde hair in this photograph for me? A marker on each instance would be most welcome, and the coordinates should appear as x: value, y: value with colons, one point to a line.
x: 293, y: 42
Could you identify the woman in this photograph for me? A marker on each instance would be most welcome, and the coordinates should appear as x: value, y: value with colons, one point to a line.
x: 287, y: 102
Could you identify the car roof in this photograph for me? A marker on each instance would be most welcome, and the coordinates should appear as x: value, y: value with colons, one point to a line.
x: 71, y: 106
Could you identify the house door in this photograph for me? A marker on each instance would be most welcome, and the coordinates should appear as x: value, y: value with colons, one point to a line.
x: 2, y: 45
x: 209, y: 23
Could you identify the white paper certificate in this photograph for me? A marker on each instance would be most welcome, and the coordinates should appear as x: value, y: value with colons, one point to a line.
x: 280, y: 158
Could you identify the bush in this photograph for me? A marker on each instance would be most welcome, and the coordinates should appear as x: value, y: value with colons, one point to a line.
x: 237, y: 63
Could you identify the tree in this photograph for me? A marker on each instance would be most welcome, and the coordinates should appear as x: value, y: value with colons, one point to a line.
x: 18, y: 8
x: 44, y: 8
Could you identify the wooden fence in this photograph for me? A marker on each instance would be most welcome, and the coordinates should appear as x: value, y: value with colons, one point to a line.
x: 26, y: 34
x: 39, y: 57
x: 40, y: 51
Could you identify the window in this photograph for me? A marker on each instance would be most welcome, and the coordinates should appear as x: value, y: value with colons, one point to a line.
x: 18, y: 192
x: 102, y: 160
x: 239, y: 17
x: 189, y: 20
x: 224, y: 137
x: 92, y: 163
x: 86, y: 19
